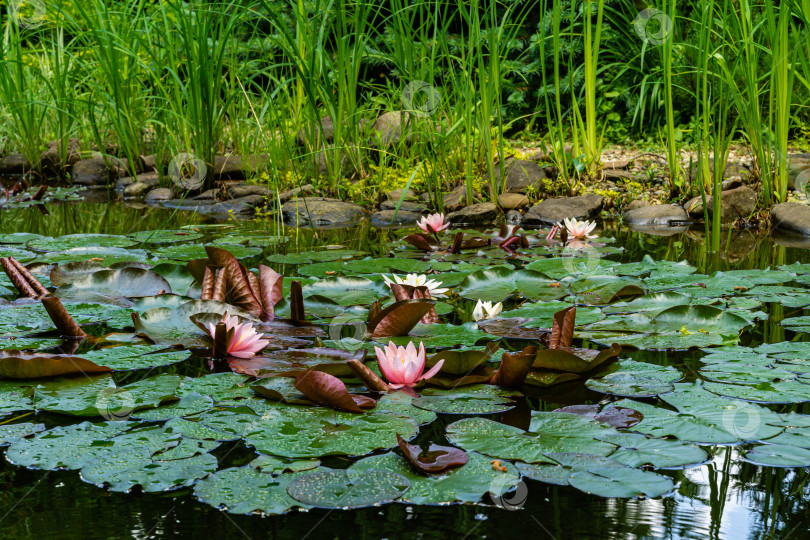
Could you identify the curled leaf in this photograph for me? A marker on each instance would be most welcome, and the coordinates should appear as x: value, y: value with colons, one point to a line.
x: 562, y: 331
x: 368, y: 377
x: 27, y: 365
x: 574, y: 360
x: 330, y: 391
x: 399, y: 318
x: 514, y: 368
x: 62, y: 320
x: 436, y: 460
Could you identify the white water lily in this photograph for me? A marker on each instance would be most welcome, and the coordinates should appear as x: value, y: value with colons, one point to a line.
x: 485, y: 310
x: 418, y: 280
x: 579, y: 229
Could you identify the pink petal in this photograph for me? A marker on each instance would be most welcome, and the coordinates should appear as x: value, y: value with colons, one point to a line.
x: 434, y: 370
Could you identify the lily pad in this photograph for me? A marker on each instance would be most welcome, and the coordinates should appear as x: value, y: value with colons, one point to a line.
x: 777, y: 455
x: 598, y: 475
x: 243, y: 490
x: 629, y: 378
x: 549, y: 432
x: 466, y: 484
x: 71, y: 241
x: 336, y: 489
x: 123, y: 471
x: 475, y: 399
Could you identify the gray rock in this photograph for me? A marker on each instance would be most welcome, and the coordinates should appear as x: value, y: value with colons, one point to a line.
x: 151, y: 178
x: 476, y: 214
x: 14, y: 164
x: 662, y: 215
x: 136, y: 190
x: 238, y: 167
x: 242, y: 190
x: 122, y: 183
x: 511, y: 201
x: 242, y: 207
x: 149, y: 163
x: 553, y: 211
x: 396, y: 195
x: 159, y: 194
x: 733, y: 168
x: 307, y: 189
x: 617, y: 164
x: 90, y: 172
x: 456, y: 198
x: 521, y: 175
x: 734, y: 204
x: 406, y: 206
x: 311, y: 135
x: 207, y: 195
x: 514, y: 217
x: 617, y: 174
x: 384, y: 218
x: 51, y: 158
x: 320, y: 211
x: 424, y: 197
x: 802, y: 182
x: 791, y: 217
x: 636, y: 203
x: 388, y: 128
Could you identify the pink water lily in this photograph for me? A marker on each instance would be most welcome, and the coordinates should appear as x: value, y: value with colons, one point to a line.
x: 404, y: 366
x: 579, y: 229
x: 433, y: 223
x: 246, y: 342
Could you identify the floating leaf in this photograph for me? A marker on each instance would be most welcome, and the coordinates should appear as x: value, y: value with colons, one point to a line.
x: 336, y: 489
x: 435, y: 460
x: 476, y: 399
x: 22, y: 365
x: 243, y: 490
x: 465, y: 484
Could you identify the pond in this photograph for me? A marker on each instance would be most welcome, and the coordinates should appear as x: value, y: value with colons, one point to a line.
x: 671, y: 423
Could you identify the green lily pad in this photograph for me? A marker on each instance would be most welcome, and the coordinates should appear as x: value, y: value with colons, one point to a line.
x: 704, y: 419
x: 765, y: 392
x: 337, y: 489
x: 475, y: 399
x: 99, y: 396
x: 105, y: 255
x: 165, y: 236
x: 56, y: 448
x: 243, y: 490
x: 71, y: 241
x: 348, y: 291
x: 129, y: 357
x: 598, y: 475
x: 465, y: 484
x: 10, y: 433
x: 121, y: 472
x: 187, y: 252
x: 191, y: 403
x: 636, y: 450
x: 306, y: 432
x: 549, y: 432
x: 19, y: 238
x: 629, y: 378
x: 442, y: 335
x: 777, y: 455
